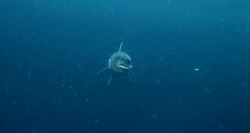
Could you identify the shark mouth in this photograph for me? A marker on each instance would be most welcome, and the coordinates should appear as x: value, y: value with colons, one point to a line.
x: 123, y: 66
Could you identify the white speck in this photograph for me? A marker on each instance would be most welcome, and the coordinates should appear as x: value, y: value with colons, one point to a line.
x: 154, y: 116
x: 180, y: 100
x: 244, y: 84
x: 220, y: 126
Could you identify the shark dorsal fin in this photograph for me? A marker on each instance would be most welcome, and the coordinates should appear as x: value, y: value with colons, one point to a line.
x: 120, y: 47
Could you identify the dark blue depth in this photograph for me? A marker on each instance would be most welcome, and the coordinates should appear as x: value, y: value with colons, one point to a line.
x: 190, y: 61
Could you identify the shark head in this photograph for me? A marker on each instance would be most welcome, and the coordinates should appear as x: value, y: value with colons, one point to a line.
x: 120, y: 62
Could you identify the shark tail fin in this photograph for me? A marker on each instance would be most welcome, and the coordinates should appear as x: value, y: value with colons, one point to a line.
x: 120, y: 47
x: 101, y: 71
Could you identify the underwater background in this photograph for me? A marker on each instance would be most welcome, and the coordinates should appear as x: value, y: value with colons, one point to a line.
x: 190, y: 58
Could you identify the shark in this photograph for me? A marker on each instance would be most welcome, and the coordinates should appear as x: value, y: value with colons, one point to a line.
x: 118, y: 63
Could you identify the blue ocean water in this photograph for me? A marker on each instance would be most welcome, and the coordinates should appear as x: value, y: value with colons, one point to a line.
x: 190, y: 61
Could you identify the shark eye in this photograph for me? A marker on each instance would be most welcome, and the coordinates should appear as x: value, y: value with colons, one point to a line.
x: 128, y: 62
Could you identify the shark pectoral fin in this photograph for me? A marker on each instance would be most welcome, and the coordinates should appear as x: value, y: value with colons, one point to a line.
x: 101, y: 71
x: 111, y: 77
x: 130, y: 78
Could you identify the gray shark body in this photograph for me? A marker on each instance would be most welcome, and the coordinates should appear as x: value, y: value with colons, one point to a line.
x: 119, y: 62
